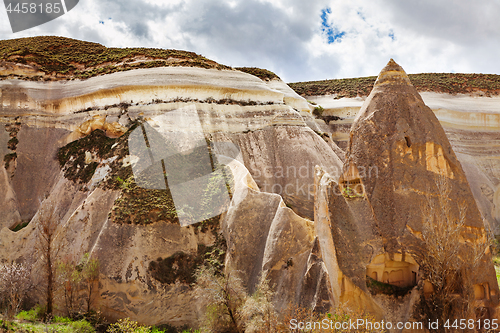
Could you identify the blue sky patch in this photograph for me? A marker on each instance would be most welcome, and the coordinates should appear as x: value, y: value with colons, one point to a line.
x: 360, y: 14
x: 332, y: 33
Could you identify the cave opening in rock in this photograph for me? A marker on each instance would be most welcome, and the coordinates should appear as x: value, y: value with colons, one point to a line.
x: 350, y: 183
x: 400, y: 271
x: 408, y: 141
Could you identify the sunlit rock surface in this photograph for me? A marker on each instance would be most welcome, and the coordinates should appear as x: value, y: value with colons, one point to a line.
x: 396, y: 156
x: 287, y: 217
x: 471, y: 123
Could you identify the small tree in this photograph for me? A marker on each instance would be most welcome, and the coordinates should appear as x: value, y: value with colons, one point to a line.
x: 79, y: 282
x: 446, y: 261
x: 70, y: 278
x: 224, y: 295
x: 258, y: 309
x: 90, y: 278
x: 15, y: 283
x: 48, y: 250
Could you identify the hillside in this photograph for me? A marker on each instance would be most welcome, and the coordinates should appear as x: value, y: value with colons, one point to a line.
x: 159, y: 172
x: 449, y: 83
x: 49, y: 58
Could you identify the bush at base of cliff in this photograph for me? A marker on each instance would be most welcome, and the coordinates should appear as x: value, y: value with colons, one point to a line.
x: 127, y: 326
x: 224, y: 296
x: 33, y: 315
x: 82, y: 326
x: 228, y: 306
x: 300, y: 319
x: 258, y: 309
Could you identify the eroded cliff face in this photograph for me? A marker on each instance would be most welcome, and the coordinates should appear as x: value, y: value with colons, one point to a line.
x: 471, y: 124
x: 73, y: 156
x: 290, y: 203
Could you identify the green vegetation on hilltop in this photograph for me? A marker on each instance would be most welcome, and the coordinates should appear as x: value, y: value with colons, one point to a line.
x: 67, y: 58
x: 341, y: 87
x: 452, y: 83
x: 262, y: 74
x: 456, y: 83
x: 61, y: 58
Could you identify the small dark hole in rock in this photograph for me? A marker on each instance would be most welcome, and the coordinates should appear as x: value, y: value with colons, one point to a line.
x: 408, y: 142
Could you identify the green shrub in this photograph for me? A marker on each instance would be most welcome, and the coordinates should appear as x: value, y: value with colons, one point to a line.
x: 27, y: 315
x: 318, y: 111
x: 62, y: 320
x: 32, y: 315
x: 7, y: 326
x: 350, y: 193
x: 127, y: 326
x: 82, y: 326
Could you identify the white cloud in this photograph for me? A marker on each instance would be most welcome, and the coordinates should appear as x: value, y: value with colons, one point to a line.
x: 286, y: 36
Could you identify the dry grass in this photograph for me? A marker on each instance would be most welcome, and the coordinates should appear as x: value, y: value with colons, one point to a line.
x: 263, y: 74
x: 488, y: 84
x: 66, y: 58
x: 60, y: 58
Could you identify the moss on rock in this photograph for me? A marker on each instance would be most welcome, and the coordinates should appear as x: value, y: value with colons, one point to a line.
x: 73, y: 155
x: 181, y: 266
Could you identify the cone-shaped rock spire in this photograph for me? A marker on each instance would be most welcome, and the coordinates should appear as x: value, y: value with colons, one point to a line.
x: 398, y: 156
x: 392, y: 74
x: 400, y: 149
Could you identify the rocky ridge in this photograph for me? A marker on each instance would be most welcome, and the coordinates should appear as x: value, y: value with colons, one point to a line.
x: 288, y: 218
x: 74, y: 158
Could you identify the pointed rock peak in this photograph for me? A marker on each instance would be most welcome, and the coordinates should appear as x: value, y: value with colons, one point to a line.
x: 392, y: 74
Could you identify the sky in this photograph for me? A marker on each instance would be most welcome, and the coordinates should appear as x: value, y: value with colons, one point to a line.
x: 297, y: 39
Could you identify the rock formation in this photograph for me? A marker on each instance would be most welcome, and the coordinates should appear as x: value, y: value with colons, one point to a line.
x: 314, y: 220
x: 73, y: 155
x: 471, y: 123
x: 397, y: 157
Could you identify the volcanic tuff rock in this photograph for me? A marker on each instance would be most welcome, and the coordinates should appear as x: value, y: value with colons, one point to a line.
x: 399, y: 139
x: 73, y: 158
x: 471, y: 122
x: 397, y: 156
x: 67, y: 149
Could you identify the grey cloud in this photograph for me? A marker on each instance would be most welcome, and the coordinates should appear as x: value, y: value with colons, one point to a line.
x: 452, y: 35
x: 462, y: 22
x: 134, y: 14
x: 251, y: 34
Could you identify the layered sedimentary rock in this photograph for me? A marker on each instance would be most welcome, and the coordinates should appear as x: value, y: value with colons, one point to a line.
x: 73, y: 156
x: 313, y: 220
